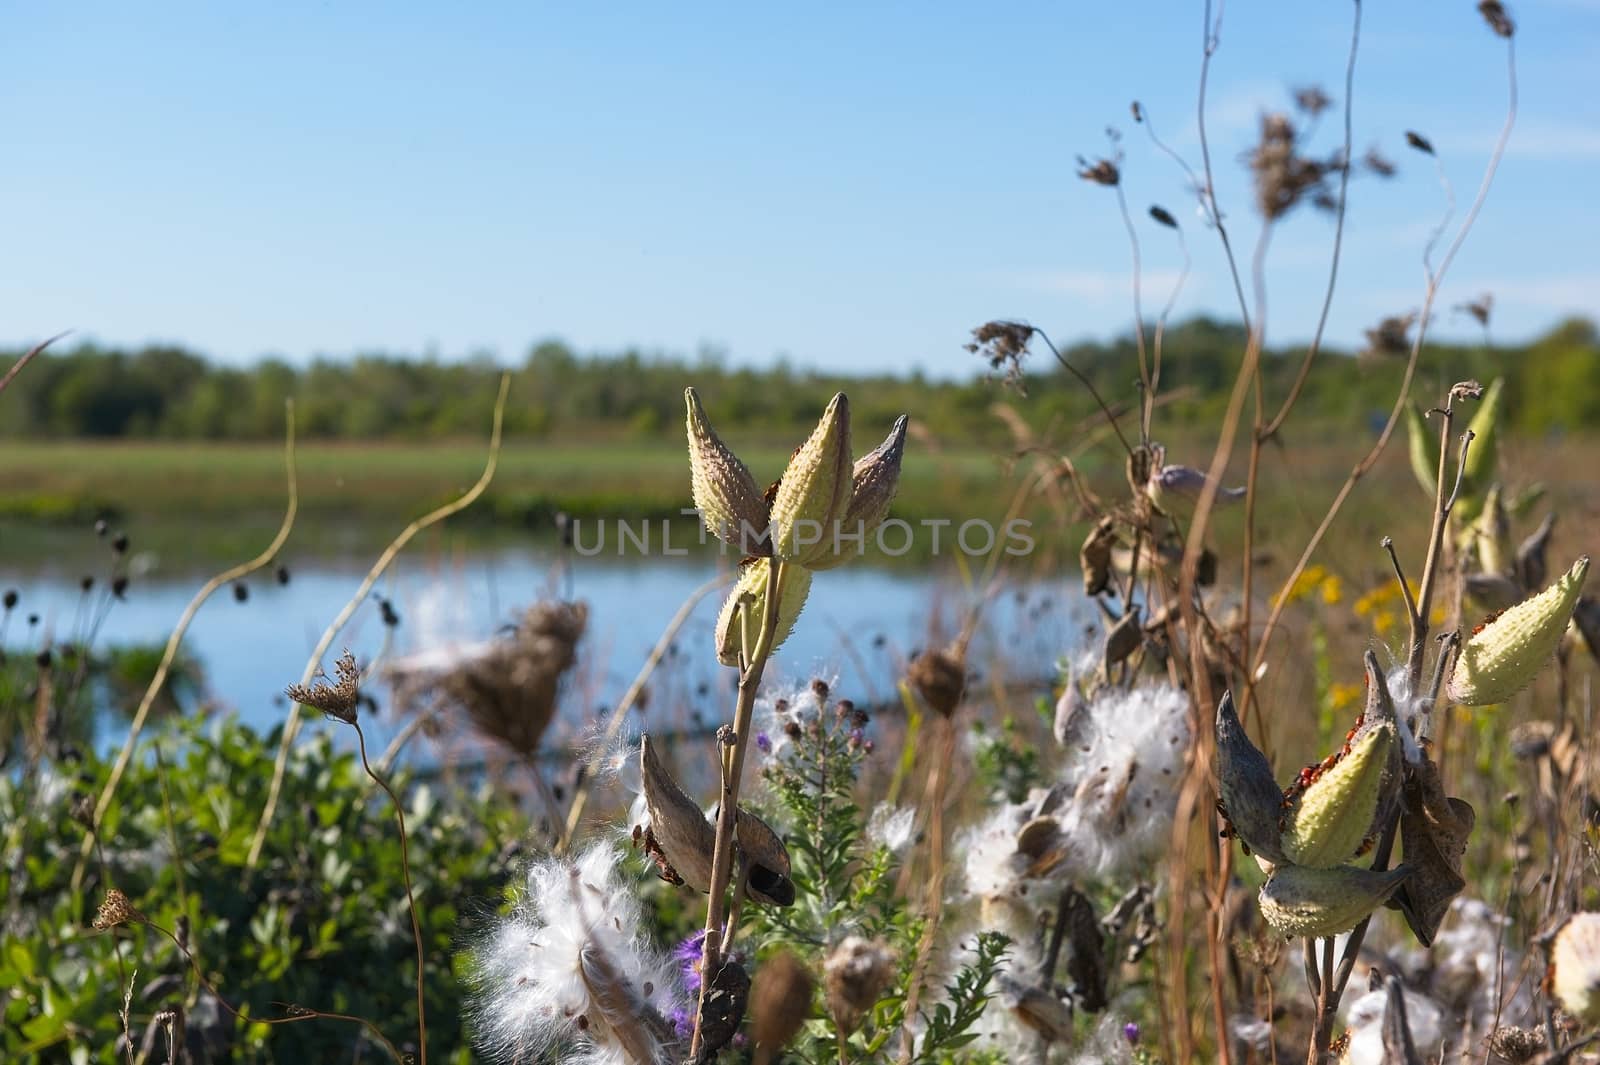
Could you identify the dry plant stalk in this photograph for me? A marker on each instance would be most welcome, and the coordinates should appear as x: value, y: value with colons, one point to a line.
x: 292, y: 727
x: 221, y: 580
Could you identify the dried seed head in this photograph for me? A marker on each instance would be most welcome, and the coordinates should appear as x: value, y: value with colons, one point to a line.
x: 730, y: 502
x: 1299, y: 901
x: 940, y: 677
x: 1419, y: 142
x: 1480, y: 309
x: 1517, y: 1046
x: 1506, y: 654
x: 1390, y: 338
x: 1251, y: 799
x: 1331, y: 819
x: 1379, y: 164
x: 1311, y: 100
x: 780, y: 1001
x: 1498, y: 18
x: 116, y: 910
x: 336, y: 700
x: 873, y: 482
x: 1003, y: 345
x: 1163, y: 216
x: 1100, y: 172
x: 854, y: 975
x: 743, y: 610
x: 814, y: 489
x: 1575, y: 959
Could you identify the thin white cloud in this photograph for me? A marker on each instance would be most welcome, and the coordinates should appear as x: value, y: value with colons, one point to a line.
x: 1103, y: 287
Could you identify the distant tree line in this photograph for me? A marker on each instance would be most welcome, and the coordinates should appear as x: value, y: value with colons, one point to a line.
x: 169, y: 393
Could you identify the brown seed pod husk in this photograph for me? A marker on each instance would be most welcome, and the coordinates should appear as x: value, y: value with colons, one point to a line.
x: 1250, y: 796
x: 940, y: 677
x: 644, y: 1034
x: 854, y: 976
x: 1433, y: 834
x: 1125, y: 637
x: 1094, y: 557
x: 780, y: 1001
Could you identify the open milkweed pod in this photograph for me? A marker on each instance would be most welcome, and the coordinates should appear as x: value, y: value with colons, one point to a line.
x: 1434, y: 828
x: 624, y: 1014
x: 814, y: 489
x: 1330, y: 820
x: 1250, y: 797
x: 678, y: 826
x: 1490, y: 593
x: 746, y: 599
x: 730, y: 502
x: 1504, y: 655
x: 1094, y: 557
x: 687, y: 840
x: 873, y: 482
x: 1531, y: 568
x: 1298, y: 901
x: 1575, y: 966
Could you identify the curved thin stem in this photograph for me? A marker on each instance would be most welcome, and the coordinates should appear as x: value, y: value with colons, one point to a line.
x: 221, y: 580
x: 292, y: 726
x: 27, y: 357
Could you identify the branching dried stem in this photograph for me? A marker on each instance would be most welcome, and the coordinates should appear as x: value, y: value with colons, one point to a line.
x: 727, y: 812
x: 292, y: 726
x: 170, y: 653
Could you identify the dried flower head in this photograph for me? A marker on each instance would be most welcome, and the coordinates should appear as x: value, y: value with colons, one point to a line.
x: 940, y: 677
x: 780, y: 1001
x: 1498, y: 18
x: 1163, y: 216
x: 1376, y: 162
x: 1311, y: 100
x: 1480, y: 309
x: 1100, y: 171
x: 116, y: 910
x: 1504, y: 655
x: 855, y: 974
x: 1283, y: 177
x: 336, y: 700
x: 1517, y: 1046
x: 1419, y: 142
x: 1391, y: 337
x: 1004, y: 345
x: 1575, y: 964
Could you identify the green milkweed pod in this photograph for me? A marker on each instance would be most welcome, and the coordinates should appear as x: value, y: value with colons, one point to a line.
x: 1575, y: 961
x: 873, y: 482
x: 1505, y: 654
x: 1298, y: 901
x: 1333, y: 816
x: 814, y: 489
x: 1484, y: 451
x: 726, y: 494
x: 1422, y: 450
x: 742, y: 610
x: 1491, y: 532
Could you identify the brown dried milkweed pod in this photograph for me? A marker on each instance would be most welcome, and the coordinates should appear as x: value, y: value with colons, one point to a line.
x: 730, y: 502
x: 1094, y: 557
x: 1125, y: 637
x: 940, y: 678
x: 1250, y: 797
x: 780, y: 1002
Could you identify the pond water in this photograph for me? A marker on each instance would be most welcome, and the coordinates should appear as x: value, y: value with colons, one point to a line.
x: 859, y: 626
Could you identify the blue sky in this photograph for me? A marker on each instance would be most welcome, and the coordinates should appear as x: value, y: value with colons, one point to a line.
x: 852, y: 186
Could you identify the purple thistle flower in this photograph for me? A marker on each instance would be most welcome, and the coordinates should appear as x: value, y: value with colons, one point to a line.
x: 688, y: 954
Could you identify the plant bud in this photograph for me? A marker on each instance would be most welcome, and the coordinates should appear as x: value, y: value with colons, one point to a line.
x: 743, y: 610
x: 1298, y: 901
x: 730, y: 502
x: 1423, y: 449
x: 1333, y: 816
x: 814, y: 489
x: 1575, y: 961
x: 940, y: 677
x: 780, y: 1001
x: 1505, y: 654
x: 1251, y: 800
x: 874, y: 481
